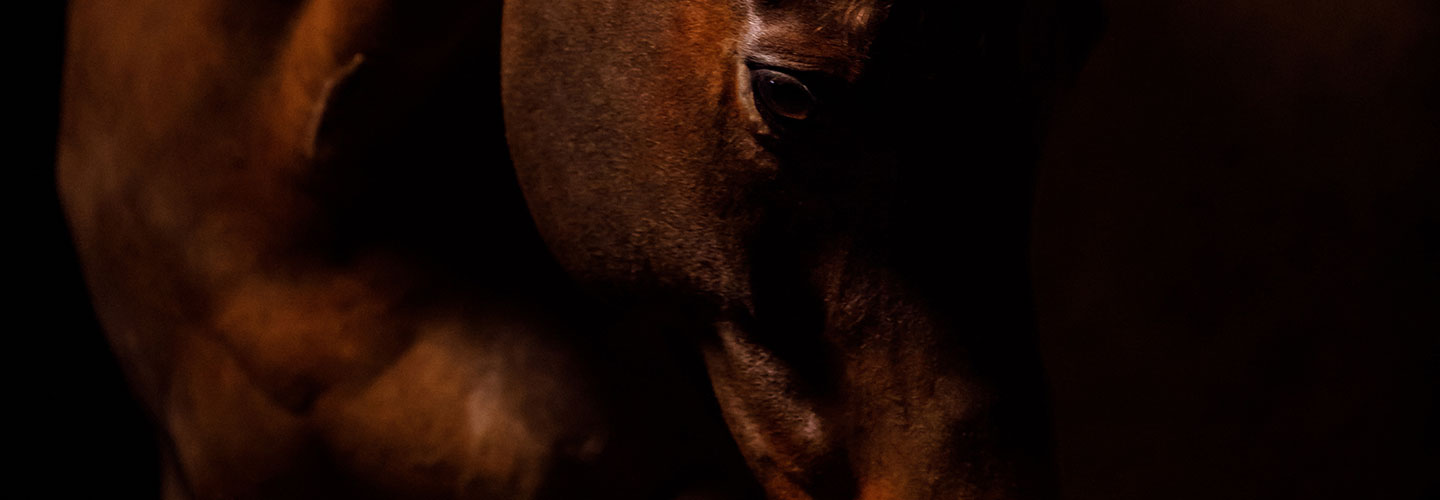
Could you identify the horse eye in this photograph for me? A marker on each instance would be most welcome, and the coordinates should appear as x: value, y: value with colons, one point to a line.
x: 782, y: 94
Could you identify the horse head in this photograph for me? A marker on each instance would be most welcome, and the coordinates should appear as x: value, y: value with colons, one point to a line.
x: 835, y: 193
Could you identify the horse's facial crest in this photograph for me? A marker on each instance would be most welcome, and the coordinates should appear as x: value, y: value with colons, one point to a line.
x: 861, y: 307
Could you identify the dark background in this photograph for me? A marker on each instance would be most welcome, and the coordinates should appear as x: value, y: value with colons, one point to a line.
x: 1236, y: 253
x: 1236, y: 257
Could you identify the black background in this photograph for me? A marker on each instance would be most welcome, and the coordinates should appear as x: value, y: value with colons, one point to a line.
x: 1236, y: 258
x: 1236, y: 253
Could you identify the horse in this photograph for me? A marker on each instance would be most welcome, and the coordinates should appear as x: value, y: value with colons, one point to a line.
x: 559, y: 249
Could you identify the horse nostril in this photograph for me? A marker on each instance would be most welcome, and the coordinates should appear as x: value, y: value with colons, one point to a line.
x: 781, y: 94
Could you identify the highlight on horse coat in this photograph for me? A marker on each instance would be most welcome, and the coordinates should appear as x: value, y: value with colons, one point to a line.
x: 571, y: 249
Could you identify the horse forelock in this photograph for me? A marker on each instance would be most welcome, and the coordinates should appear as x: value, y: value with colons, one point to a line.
x: 858, y: 16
